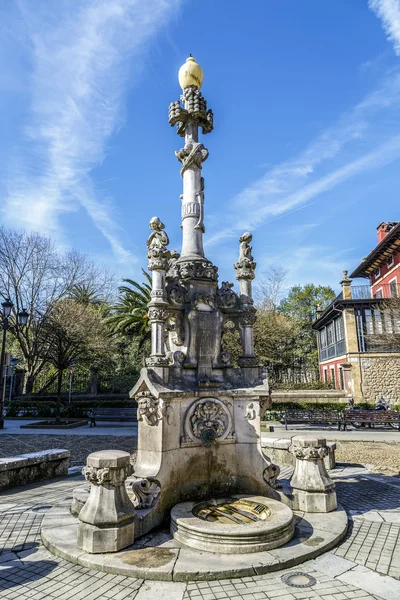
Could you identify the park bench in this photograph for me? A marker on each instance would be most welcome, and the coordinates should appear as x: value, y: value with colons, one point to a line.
x: 112, y: 414
x: 375, y: 417
x: 314, y: 417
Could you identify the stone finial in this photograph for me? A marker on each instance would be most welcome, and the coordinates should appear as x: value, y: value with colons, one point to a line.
x: 245, y: 266
x: 157, y: 243
x: 346, y: 286
x: 106, y: 520
x: 313, y: 490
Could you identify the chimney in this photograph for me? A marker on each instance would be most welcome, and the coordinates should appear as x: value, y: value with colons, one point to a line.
x: 381, y: 231
x: 346, y: 286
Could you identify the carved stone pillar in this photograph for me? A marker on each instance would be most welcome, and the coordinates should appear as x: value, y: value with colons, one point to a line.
x: 313, y: 489
x: 245, y: 268
x: 188, y: 118
x: 106, y: 520
x: 158, y: 256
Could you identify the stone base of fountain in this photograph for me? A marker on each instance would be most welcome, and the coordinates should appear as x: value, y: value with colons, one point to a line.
x: 159, y: 556
x: 240, y: 524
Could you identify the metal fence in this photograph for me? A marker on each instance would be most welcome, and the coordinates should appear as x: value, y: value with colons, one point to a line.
x: 85, y: 383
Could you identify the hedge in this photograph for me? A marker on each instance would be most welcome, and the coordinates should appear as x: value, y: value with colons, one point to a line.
x: 77, y: 409
x: 313, y: 385
x: 276, y: 414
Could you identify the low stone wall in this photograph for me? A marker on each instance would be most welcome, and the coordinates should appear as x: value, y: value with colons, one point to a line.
x: 277, y: 451
x: 317, y: 396
x: 380, y: 377
x: 37, y: 466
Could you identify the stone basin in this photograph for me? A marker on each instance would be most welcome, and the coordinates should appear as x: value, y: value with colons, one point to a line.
x: 239, y: 524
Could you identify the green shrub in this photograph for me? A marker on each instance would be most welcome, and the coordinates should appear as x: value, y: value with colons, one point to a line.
x: 313, y: 385
x: 276, y: 413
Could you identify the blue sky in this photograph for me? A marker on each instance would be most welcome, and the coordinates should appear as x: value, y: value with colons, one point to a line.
x: 306, y: 147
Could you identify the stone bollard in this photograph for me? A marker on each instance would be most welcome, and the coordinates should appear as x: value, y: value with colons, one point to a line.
x: 106, y: 522
x: 313, y: 489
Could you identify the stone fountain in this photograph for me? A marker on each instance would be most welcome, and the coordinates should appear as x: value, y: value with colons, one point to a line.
x: 199, y: 464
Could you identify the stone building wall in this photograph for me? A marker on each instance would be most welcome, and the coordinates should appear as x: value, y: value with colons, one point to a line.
x: 381, y: 377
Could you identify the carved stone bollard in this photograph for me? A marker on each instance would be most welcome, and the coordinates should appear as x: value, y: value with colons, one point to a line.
x: 313, y: 489
x: 107, y: 518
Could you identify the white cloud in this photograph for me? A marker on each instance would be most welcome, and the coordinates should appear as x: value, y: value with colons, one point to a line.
x: 293, y: 183
x: 389, y: 12
x: 84, y: 56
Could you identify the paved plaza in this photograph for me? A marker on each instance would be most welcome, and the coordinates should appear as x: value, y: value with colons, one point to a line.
x: 365, y: 565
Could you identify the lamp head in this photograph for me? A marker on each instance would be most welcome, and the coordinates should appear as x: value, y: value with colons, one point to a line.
x: 190, y: 74
x: 23, y: 316
x: 7, y: 307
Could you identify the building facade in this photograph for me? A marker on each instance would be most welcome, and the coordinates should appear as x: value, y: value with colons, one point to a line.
x: 359, y: 332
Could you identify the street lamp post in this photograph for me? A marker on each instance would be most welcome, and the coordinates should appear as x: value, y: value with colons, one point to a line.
x: 22, y: 316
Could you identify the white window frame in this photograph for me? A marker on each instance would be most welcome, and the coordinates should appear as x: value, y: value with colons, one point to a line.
x: 397, y: 287
x: 390, y: 261
x: 378, y: 269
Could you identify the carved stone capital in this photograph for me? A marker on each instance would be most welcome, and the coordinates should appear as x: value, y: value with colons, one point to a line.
x: 248, y: 319
x: 309, y: 453
x: 111, y: 476
x: 157, y: 313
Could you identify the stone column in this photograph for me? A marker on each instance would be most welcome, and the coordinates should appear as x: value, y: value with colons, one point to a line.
x: 189, y: 118
x: 313, y: 489
x: 158, y: 256
x: 106, y: 522
x: 245, y: 268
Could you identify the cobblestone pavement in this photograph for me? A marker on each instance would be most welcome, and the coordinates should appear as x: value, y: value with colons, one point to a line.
x: 366, y: 566
x: 79, y: 445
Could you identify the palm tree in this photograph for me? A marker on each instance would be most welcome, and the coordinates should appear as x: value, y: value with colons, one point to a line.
x: 130, y: 315
x: 86, y: 294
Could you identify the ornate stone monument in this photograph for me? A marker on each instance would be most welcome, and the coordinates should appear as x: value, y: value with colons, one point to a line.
x: 200, y: 466
x: 199, y: 417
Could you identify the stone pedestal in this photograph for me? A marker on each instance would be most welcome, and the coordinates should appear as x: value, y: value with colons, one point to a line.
x: 313, y: 490
x: 106, y: 520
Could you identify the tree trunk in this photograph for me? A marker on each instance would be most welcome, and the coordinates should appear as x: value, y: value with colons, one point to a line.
x: 94, y: 381
x: 58, y: 405
x: 29, y: 381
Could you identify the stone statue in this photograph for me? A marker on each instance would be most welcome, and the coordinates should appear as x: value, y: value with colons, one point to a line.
x: 245, y: 266
x: 157, y: 243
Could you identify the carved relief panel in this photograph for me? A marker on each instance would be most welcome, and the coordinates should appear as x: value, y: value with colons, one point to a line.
x: 208, y: 421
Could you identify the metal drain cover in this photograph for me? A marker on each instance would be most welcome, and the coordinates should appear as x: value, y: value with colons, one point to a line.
x: 298, y: 580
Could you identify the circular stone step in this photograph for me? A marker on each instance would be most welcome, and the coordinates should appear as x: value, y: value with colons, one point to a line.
x: 239, y: 524
x: 159, y: 556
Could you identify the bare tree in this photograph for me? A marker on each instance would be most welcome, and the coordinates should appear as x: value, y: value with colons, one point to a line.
x: 34, y: 275
x: 270, y: 288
